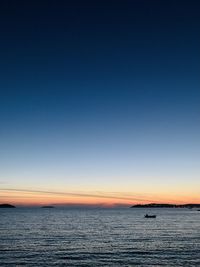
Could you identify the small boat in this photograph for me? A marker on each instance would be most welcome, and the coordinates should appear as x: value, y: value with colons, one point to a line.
x: 149, y: 216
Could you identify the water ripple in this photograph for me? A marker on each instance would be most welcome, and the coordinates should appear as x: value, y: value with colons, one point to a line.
x: 99, y: 237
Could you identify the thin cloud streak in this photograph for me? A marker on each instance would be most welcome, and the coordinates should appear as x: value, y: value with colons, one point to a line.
x: 75, y: 194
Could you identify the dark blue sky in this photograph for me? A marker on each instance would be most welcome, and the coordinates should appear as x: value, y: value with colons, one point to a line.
x: 85, y: 82
x: 98, y: 41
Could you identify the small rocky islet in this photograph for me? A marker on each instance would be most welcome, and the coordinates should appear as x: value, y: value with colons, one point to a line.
x: 47, y: 207
x: 7, y: 206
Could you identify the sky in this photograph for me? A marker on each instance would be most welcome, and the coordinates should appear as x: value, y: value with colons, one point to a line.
x: 99, y: 102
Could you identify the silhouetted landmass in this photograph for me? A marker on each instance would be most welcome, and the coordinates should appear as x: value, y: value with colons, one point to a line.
x: 47, y: 207
x: 155, y: 205
x: 6, y: 206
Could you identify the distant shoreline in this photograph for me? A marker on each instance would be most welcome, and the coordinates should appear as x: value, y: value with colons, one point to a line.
x: 151, y: 205
x: 155, y: 205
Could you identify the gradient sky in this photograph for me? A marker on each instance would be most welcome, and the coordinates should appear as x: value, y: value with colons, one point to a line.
x: 99, y: 101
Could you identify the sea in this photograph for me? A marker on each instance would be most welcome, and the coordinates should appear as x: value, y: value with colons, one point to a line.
x: 99, y: 237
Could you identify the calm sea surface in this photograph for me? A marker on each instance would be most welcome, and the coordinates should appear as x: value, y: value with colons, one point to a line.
x: 99, y: 237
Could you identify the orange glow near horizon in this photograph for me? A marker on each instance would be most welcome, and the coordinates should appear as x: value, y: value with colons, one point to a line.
x: 37, y: 198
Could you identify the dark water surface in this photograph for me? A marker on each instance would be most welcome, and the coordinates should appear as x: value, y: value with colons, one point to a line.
x: 99, y: 237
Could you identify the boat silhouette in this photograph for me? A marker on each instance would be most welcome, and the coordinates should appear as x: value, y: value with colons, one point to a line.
x: 149, y: 216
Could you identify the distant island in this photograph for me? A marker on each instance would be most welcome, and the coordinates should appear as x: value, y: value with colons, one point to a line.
x: 6, y: 206
x: 155, y: 205
x: 47, y: 207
